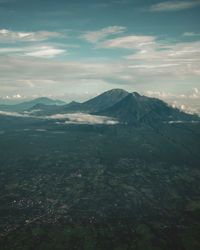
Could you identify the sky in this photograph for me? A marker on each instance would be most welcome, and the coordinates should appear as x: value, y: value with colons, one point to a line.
x: 75, y: 49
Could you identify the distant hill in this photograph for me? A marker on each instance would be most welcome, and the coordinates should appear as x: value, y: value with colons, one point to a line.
x: 24, y: 106
x: 44, y: 109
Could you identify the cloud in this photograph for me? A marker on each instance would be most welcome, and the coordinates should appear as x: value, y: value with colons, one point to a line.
x: 155, y: 66
x: 8, y: 36
x: 189, y: 103
x: 17, y: 96
x: 173, y: 5
x: 81, y: 118
x: 6, y: 50
x: 191, y: 34
x: 15, y: 114
x: 129, y: 42
x: 179, y: 59
x: 76, y: 118
x: 152, y: 64
x: 45, y: 52
x: 195, y: 94
x: 95, y: 36
x: 196, y: 90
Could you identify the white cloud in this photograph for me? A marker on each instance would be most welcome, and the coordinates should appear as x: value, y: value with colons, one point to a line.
x: 76, y: 118
x: 150, y: 65
x: 81, y: 118
x: 129, y: 42
x: 167, y: 95
x: 195, y: 94
x: 8, y: 36
x: 45, y: 51
x: 15, y: 114
x: 177, y: 51
x: 196, y: 90
x: 191, y: 34
x: 95, y: 36
x: 189, y: 103
x: 174, y: 5
x: 6, y: 50
x: 17, y: 96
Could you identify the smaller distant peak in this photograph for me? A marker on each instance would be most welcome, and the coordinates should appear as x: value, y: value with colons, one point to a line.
x: 73, y: 102
x: 135, y: 94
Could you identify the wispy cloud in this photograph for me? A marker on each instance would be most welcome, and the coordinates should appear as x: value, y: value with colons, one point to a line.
x: 174, y: 5
x: 9, y: 36
x: 45, y: 51
x: 129, y: 42
x: 194, y: 94
x: 10, y: 50
x: 95, y: 36
x: 191, y: 34
x: 180, y: 52
x: 42, y: 50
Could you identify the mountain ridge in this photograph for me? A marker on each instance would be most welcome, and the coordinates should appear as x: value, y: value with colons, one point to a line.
x: 24, y: 106
x: 126, y: 108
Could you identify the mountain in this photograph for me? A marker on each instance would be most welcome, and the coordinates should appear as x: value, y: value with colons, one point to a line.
x: 40, y: 109
x: 8, y: 101
x: 127, y: 108
x: 96, y: 104
x: 24, y: 106
x: 105, y: 100
x: 136, y: 109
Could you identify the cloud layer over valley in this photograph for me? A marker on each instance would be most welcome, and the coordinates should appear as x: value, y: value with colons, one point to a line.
x: 75, y: 118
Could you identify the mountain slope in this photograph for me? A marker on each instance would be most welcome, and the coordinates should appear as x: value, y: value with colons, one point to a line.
x: 136, y: 109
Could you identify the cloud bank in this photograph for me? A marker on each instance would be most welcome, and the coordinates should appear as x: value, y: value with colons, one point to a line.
x: 149, y: 63
x: 76, y: 118
x: 142, y: 59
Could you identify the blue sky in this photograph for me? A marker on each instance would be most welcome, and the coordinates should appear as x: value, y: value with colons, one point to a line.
x: 76, y: 49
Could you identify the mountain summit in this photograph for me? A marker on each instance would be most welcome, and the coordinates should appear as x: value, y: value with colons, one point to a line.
x: 105, y: 100
x: 98, y: 103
